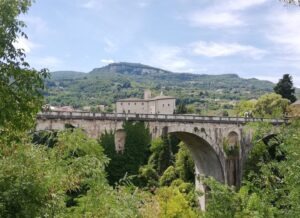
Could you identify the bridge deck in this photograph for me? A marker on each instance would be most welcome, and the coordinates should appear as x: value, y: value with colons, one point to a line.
x: 155, y: 117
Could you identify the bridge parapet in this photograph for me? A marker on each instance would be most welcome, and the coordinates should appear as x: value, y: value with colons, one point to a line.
x: 157, y: 117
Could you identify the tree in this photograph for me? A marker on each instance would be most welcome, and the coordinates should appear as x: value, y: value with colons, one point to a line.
x: 36, y: 181
x: 20, y: 85
x: 184, y: 164
x: 269, y: 106
x: 245, y: 106
x: 270, y: 186
x: 174, y: 203
x: 181, y: 109
x: 292, y: 2
x: 135, y: 153
x: 285, y: 88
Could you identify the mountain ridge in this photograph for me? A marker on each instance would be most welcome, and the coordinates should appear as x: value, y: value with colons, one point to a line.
x: 107, y: 84
x: 110, y: 67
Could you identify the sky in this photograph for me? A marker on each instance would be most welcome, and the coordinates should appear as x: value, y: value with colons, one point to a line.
x: 251, y: 38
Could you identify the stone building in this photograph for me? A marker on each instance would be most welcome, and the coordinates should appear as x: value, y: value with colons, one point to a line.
x: 157, y: 105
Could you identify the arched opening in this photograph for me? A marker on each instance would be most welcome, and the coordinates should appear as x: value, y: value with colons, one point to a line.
x: 207, y: 162
x: 233, y: 139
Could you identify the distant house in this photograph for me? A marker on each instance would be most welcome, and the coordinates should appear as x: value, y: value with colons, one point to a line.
x: 157, y: 105
x: 48, y: 107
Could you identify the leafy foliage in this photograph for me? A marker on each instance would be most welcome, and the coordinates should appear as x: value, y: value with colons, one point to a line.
x: 35, y: 180
x: 174, y: 202
x: 20, y: 86
x: 285, y: 88
x: 292, y: 2
x: 184, y: 164
x: 134, y: 155
x: 268, y: 106
x: 270, y: 185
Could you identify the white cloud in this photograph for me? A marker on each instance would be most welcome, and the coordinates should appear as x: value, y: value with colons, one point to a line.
x: 167, y: 57
x: 224, y: 14
x: 214, y: 19
x: 90, y: 4
x: 239, y: 5
x: 213, y: 49
x: 285, y: 33
x: 107, y: 61
x: 25, y: 44
x: 143, y: 3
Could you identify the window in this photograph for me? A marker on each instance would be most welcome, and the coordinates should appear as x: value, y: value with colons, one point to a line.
x: 121, y: 103
x: 128, y: 111
x: 163, y: 105
x: 128, y: 103
x: 142, y: 103
x: 134, y: 103
x: 168, y: 105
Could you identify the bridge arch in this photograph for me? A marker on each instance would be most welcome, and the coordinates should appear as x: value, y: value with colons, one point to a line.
x: 207, y: 161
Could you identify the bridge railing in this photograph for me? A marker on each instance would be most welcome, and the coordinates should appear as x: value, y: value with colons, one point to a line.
x: 154, y: 117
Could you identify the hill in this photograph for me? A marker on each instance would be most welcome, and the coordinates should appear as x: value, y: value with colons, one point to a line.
x: 107, y: 84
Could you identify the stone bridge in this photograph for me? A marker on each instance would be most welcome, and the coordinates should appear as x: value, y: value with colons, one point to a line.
x: 219, y: 145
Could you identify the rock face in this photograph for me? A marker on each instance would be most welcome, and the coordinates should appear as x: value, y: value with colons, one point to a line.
x: 129, y: 69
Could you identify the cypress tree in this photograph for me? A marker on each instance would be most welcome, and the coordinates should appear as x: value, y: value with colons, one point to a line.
x: 285, y: 88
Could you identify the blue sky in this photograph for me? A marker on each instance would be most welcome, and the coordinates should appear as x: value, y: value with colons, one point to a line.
x: 252, y: 38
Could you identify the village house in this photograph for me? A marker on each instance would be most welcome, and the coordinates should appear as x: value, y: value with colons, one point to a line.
x: 156, y: 105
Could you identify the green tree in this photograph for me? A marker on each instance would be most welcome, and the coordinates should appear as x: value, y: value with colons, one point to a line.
x: 245, y: 106
x: 184, y: 164
x: 183, y: 168
x: 181, y: 109
x: 174, y: 203
x: 292, y: 2
x: 270, y: 186
x: 168, y: 177
x: 285, y: 88
x: 20, y: 85
x: 135, y: 154
x: 36, y: 181
x: 271, y: 105
x: 161, y: 154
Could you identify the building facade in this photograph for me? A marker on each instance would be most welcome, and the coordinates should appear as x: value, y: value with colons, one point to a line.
x: 157, y: 105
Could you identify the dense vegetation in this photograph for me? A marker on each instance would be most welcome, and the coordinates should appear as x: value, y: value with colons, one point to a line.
x: 271, y: 181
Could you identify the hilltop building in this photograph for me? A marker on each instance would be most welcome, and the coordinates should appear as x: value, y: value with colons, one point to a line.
x: 157, y: 105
